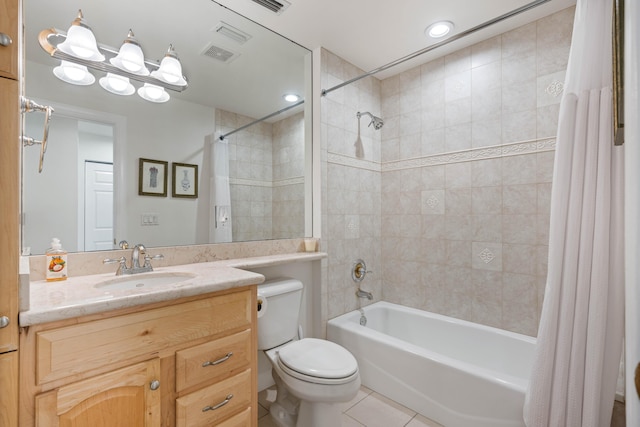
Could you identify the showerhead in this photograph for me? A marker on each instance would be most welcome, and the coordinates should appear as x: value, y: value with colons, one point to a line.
x: 377, y: 122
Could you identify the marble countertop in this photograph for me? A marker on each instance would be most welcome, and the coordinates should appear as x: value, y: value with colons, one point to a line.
x: 79, y: 296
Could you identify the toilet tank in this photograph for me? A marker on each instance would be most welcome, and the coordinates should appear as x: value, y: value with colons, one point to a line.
x: 278, y: 311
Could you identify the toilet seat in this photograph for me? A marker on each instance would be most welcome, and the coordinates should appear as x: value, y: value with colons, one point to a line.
x: 317, y: 361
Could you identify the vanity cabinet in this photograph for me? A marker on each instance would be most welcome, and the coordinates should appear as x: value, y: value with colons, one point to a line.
x: 9, y: 39
x: 125, y: 397
x: 185, y: 363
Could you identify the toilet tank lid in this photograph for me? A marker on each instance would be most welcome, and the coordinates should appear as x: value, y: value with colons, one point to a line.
x: 279, y: 286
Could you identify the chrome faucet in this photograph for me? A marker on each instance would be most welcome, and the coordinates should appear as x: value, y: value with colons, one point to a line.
x: 135, y: 268
x: 364, y: 294
x: 135, y: 255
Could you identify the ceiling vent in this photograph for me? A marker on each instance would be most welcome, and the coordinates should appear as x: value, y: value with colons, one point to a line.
x: 276, y: 6
x: 220, y: 54
x: 233, y: 33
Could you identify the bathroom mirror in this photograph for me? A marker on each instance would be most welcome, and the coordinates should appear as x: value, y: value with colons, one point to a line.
x: 89, y: 192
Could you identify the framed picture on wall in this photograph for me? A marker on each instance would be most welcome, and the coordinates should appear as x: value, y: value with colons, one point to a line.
x: 152, y: 178
x: 185, y: 180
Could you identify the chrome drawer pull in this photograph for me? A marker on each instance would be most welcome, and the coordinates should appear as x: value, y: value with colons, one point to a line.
x: 217, y: 362
x: 219, y: 405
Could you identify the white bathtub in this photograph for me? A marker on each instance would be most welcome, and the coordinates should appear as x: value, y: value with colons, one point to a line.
x: 457, y: 373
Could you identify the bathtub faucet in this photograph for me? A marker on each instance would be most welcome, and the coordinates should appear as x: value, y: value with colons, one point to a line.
x: 364, y: 294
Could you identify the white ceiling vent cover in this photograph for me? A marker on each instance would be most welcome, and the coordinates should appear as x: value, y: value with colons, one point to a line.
x: 219, y: 54
x: 276, y: 6
x: 232, y: 33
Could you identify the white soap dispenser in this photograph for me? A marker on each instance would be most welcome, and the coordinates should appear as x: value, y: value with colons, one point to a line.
x: 56, y: 261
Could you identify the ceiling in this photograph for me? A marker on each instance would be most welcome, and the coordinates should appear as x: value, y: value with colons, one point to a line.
x: 366, y: 33
x: 373, y: 33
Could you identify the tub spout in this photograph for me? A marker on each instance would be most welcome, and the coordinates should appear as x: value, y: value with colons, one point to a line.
x: 364, y: 294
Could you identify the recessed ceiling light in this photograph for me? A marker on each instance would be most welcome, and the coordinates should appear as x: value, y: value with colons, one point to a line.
x: 291, y: 97
x: 439, y: 29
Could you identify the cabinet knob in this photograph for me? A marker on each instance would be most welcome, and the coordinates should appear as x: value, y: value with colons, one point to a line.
x: 5, y: 40
x: 4, y: 321
x: 154, y: 385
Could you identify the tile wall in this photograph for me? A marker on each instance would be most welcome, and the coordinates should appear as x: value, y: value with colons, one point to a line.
x: 266, y: 168
x: 351, y: 186
x: 462, y: 178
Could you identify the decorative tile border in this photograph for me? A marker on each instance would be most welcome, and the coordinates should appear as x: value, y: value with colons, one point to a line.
x: 256, y: 183
x: 482, y: 153
x: 341, y: 159
x: 492, y: 152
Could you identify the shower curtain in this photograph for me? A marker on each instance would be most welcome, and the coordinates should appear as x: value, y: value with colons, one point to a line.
x: 220, y: 226
x: 577, y: 357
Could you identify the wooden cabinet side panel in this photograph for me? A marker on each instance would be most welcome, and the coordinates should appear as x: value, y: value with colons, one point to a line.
x: 9, y: 26
x: 9, y: 217
x: 9, y: 389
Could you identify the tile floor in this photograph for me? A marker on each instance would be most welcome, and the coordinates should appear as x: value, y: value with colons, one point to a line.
x: 367, y: 409
x: 370, y: 409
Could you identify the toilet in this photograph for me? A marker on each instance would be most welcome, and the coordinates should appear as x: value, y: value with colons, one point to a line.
x: 313, y: 377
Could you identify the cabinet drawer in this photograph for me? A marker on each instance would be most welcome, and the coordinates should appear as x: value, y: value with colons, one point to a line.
x: 75, y: 349
x: 213, y: 359
x: 243, y: 419
x: 207, y: 406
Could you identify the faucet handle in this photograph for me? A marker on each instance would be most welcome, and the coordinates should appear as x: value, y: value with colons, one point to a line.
x: 148, y: 258
x: 121, y: 267
x: 359, y: 270
x: 114, y: 260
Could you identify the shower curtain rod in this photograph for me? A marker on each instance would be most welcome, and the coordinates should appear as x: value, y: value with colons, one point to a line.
x: 222, y: 137
x: 451, y: 39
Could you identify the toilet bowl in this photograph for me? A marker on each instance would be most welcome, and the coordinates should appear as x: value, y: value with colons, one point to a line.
x: 313, y: 376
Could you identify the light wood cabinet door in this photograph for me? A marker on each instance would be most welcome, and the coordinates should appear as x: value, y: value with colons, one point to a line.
x: 9, y: 228
x: 9, y: 38
x: 126, y: 397
x: 8, y: 389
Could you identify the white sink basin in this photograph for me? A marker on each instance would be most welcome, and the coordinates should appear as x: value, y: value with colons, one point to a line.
x: 144, y: 280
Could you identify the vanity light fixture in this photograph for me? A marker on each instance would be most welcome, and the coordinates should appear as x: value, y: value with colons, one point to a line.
x: 79, y: 53
x: 291, y: 97
x: 118, y: 85
x: 130, y: 57
x: 153, y: 93
x: 439, y: 29
x: 80, y: 41
x: 74, y: 74
x: 170, y: 70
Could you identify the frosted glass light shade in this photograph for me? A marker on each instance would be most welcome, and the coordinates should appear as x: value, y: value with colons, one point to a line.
x: 153, y: 93
x: 130, y: 57
x: 74, y: 73
x: 117, y: 85
x: 170, y: 70
x: 80, y: 41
